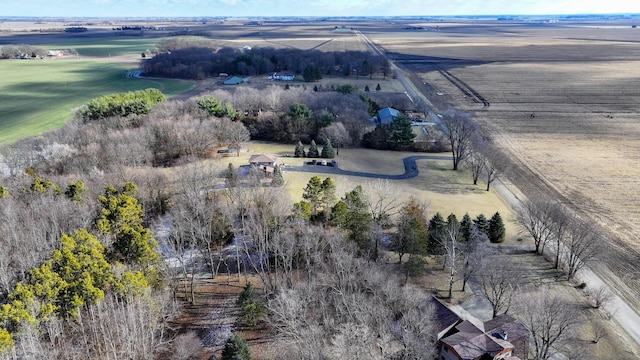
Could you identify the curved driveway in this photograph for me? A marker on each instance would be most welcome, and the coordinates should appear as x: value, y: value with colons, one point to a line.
x: 410, y: 168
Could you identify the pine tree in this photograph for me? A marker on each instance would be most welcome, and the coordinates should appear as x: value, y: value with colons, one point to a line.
x: 313, y: 150
x: 366, y: 88
x: 327, y: 150
x: 74, y: 191
x: 278, y: 179
x: 299, y: 151
x: 378, y: 88
x: 436, y: 226
x: 313, y: 194
x: 401, y: 132
x: 466, y: 227
x: 482, y: 223
x: 236, y: 348
x: 496, y: 229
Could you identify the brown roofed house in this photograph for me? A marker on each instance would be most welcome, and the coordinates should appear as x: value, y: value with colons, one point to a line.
x: 502, y: 337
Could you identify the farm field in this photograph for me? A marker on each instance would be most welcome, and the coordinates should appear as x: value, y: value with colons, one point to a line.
x: 563, y: 100
x: 40, y: 95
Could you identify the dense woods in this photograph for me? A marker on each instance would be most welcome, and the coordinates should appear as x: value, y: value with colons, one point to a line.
x: 200, y: 59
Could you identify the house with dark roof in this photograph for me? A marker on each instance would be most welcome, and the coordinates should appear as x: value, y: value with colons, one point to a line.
x: 502, y: 337
x: 386, y: 115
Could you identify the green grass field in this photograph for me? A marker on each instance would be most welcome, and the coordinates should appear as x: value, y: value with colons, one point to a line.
x: 40, y: 95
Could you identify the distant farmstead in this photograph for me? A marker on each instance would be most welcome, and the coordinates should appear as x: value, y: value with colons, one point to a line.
x: 55, y: 53
x: 282, y: 76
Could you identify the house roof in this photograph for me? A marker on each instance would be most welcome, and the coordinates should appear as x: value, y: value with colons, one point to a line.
x: 474, y: 338
x: 445, y: 318
x: 262, y: 158
x: 233, y: 81
x: 387, y: 115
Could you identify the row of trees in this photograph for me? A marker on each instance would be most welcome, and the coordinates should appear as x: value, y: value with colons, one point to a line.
x: 574, y: 241
x: 328, y: 152
x: 122, y: 104
x: 199, y: 60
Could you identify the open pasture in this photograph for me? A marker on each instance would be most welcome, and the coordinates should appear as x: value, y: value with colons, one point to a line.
x: 563, y: 100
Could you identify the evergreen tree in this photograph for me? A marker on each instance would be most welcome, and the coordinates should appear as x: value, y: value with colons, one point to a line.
x: 122, y: 218
x: 482, y: 223
x: 328, y: 152
x: 496, y: 229
x: 74, y: 191
x: 312, y: 73
x: 359, y: 221
x: 4, y: 192
x: 366, y: 88
x: 313, y: 194
x: 278, y: 179
x: 252, y: 311
x: 401, y: 132
x: 412, y: 236
x: 466, y: 227
x: 339, y: 213
x: 313, y: 150
x: 326, y: 118
x: 436, y: 226
x: 299, y: 151
x: 378, y: 88
x: 302, y: 210
x: 236, y: 348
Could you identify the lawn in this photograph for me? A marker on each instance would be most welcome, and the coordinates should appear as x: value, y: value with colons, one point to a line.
x: 444, y: 190
x: 40, y: 95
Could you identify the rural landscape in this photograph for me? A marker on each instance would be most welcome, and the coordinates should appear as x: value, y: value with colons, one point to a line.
x: 320, y: 188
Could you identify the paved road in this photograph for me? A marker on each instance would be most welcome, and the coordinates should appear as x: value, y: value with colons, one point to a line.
x: 410, y: 168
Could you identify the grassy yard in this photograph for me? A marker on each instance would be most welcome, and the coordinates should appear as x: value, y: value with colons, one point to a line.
x: 444, y: 190
x: 40, y: 95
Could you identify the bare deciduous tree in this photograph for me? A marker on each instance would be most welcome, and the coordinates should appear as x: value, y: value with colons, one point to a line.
x: 549, y: 319
x: 460, y: 131
x: 599, y: 296
x: 581, y: 245
x: 499, y: 283
x: 537, y: 217
x: 475, y: 163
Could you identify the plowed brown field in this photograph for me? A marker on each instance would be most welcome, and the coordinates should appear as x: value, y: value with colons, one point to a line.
x: 563, y: 99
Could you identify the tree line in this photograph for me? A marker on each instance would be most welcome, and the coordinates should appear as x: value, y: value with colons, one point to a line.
x: 200, y: 60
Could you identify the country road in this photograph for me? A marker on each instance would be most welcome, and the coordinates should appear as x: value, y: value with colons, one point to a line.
x: 621, y: 312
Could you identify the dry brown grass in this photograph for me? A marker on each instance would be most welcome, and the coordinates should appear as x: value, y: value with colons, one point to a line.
x: 581, y: 144
x: 444, y: 190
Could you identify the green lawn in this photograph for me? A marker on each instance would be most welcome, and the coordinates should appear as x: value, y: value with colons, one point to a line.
x: 40, y: 95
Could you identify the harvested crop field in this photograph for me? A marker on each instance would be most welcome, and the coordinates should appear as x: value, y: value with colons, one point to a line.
x: 562, y: 99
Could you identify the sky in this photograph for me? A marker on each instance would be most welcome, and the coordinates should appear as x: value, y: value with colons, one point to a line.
x: 242, y: 8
